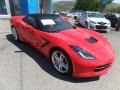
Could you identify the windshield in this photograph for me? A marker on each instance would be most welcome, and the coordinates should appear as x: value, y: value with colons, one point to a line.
x: 96, y: 15
x: 53, y: 23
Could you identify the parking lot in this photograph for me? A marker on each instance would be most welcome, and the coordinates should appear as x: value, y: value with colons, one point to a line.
x: 23, y: 68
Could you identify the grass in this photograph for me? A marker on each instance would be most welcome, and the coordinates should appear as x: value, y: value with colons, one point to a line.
x: 64, y: 5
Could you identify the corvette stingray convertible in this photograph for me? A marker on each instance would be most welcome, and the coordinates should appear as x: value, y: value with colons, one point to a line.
x: 71, y: 50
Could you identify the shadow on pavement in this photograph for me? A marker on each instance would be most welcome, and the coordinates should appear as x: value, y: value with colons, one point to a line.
x: 45, y: 64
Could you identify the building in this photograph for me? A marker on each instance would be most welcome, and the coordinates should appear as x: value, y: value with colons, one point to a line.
x: 10, y: 8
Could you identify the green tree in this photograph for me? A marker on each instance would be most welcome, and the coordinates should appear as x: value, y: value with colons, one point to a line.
x: 92, y: 5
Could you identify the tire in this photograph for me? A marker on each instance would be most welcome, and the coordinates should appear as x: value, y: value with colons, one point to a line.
x: 75, y: 17
x: 15, y: 34
x: 61, y: 61
x: 86, y: 25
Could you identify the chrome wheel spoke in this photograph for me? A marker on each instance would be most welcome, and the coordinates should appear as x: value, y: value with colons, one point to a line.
x: 62, y: 56
x: 60, y: 68
x: 65, y: 66
x: 55, y: 62
x: 14, y: 34
x: 56, y: 56
x: 60, y: 62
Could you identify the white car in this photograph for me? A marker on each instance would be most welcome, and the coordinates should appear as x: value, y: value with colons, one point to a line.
x: 74, y: 15
x: 94, y: 21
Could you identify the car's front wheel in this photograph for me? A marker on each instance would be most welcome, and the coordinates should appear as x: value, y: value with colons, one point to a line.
x: 61, y: 62
x: 14, y: 34
x: 86, y: 25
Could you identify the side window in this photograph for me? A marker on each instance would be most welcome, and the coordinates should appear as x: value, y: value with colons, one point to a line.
x: 83, y: 14
x: 31, y: 21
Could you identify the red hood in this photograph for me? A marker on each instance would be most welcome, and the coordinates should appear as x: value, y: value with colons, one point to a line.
x: 78, y: 37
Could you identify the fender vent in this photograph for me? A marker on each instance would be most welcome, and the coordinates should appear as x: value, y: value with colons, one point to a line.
x: 91, y: 40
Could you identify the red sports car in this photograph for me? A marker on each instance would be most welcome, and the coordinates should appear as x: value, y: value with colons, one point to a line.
x: 72, y: 50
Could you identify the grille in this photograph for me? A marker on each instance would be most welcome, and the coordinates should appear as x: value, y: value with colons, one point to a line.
x: 99, y: 68
x: 102, y: 23
x: 101, y: 27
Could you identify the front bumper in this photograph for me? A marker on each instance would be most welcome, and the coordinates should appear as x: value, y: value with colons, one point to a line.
x: 88, y: 68
x: 104, y: 27
x: 91, y: 71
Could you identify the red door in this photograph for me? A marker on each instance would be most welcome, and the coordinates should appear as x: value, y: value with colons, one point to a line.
x: 33, y: 36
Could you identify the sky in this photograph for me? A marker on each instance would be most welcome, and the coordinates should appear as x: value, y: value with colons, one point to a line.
x: 116, y: 1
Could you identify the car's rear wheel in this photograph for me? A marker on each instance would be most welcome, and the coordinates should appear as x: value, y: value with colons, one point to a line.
x: 15, y: 34
x: 61, y: 62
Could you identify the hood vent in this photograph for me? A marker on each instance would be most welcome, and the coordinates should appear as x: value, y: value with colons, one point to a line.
x: 91, y: 40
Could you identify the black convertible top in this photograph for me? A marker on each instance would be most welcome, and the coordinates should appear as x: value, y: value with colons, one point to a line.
x: 47, y: 22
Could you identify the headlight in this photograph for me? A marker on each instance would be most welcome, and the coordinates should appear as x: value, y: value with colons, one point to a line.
x: 83, y: 53
x: 93, y: 22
